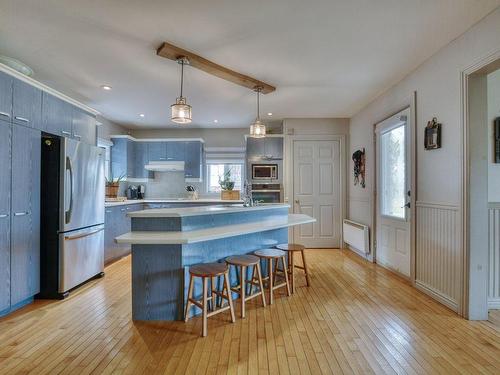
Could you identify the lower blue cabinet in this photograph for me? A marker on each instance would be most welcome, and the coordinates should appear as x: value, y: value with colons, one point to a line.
x: 25, y: 231
x: 19, y: 219
x: 5, y: 192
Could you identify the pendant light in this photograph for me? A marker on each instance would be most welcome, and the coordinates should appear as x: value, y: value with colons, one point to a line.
x: 181, y: 111
x: 258, y: 129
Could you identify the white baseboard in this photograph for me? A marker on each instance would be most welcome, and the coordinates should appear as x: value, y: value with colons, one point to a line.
x: 494, y: 303
x: 441, y: 298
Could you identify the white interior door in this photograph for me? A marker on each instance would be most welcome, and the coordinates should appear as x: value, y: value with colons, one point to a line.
x: 317, y: 192
x: 393, y: 193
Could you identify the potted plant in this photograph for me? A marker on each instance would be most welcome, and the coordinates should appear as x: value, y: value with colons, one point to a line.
x: 227, y: 186
x: 112, y: 186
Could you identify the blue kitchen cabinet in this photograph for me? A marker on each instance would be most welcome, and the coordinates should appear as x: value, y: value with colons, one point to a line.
x: 84, y: 126
x: 25, y: 215
x: 6, y: 82
x: 5, y: 193
x: 175, y: 150
x: 123, y: 158
x: 193, y: 159
x: 273, y: 148
x: 268, y: 148
x: 131, y: 147
x: 117, y: 223
x: 157, y: 151
x: 141, y: 159
x: 27, y: 105
x: 57, y: 116
x: 119, y: 157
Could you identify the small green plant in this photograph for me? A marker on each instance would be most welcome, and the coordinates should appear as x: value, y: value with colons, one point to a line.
x: 115, y: 181
x: 225, y: 181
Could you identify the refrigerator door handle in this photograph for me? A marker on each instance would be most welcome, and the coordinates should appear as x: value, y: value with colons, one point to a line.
x: 83, y: 235
x: 69, y: 212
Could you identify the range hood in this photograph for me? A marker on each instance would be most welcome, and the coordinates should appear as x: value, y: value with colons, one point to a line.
x: 165, y: 166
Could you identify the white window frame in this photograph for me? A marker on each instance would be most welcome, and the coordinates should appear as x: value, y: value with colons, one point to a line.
x: 226, y: 166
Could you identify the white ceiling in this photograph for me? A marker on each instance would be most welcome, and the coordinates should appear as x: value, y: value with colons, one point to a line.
x: 327, y: 58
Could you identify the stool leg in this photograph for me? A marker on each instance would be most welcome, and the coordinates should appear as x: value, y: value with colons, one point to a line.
x: 283, y: 260
x: 292, y: 270
x: 271, y: 281
x: 205, y: 306
x: 261, y: 284
x: 229, y: 297
x: 306, y: 270
x: 190, y: 295
x: 213, y: 287
x: 243, y: 290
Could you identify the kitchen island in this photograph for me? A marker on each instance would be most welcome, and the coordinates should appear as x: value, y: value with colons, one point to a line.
x: 166, y: 242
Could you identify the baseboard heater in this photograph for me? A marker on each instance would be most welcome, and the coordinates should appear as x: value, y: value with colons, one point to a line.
x: 356, y: 235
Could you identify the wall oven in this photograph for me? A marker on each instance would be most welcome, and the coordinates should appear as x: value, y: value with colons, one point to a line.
x: 267, y: 193
x: 264, y: 171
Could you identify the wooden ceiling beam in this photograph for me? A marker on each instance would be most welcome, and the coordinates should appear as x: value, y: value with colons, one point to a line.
x: 175, y: 53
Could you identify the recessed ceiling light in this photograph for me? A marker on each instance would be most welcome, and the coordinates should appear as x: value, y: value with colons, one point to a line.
x: 106, y: 87
x: 16, y: 65
x: 269, y: 113
x: 216, y: 121
x: 141, y: 115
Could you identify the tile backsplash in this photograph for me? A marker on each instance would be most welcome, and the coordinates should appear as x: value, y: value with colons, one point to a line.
x: 165, y: 185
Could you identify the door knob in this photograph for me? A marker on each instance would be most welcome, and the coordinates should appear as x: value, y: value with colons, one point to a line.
x: 297, y: 201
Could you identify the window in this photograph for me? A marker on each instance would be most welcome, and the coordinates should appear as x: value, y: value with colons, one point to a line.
x: 106, y: 145
x: 393, y: 172
x: 216, y: 171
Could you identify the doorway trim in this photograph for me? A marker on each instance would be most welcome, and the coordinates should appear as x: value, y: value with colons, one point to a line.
x: 291, y: 167
x: 412, y: 105
x: 492, y: 62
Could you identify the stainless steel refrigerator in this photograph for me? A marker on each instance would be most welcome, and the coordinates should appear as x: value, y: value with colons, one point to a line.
x: 72, y: 215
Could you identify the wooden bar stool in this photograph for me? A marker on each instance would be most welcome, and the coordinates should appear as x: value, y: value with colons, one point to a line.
x: 291, y: 249
x: 243, y: 262
x: 209, y: 271
x: 274, y: 255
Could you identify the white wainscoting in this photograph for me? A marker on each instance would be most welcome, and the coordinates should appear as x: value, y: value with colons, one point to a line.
x: 494, y: 259
x: 439, y: 252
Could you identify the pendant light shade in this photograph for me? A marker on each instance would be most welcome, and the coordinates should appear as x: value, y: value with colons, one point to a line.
x: 258, y: 128
x: 181, y: 111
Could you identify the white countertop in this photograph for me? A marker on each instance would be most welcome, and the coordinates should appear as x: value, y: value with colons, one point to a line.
x: 207, y: 234
x: 202, y: 210
x: 167, y: 200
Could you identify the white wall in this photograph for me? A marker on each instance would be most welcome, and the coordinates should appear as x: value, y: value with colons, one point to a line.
x: 107, y: 128
x: 493, y: 92
x: 438, y: 86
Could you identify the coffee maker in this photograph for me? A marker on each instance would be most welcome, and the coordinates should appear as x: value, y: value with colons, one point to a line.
x: 141, y: 192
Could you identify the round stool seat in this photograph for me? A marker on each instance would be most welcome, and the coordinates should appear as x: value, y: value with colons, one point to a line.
x: 242, y: 260
x: 290, y: 247
x: 208, y: 269
x: 270, y: 253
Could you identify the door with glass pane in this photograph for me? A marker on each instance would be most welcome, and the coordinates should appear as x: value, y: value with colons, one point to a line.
x: 393, y: 193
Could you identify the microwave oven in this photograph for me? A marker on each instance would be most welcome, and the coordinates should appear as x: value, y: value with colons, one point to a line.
x: 264, y: 171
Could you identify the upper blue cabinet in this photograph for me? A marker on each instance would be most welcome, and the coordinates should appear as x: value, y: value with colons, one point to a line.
x: 6, y: 82
x: 193, y: 160
x: 268, y: 148
x: 57, y: 116
x: 24, y: 104
x: 157, y: 151
x: 176, y: 150
x: 27, y: 105
x: 128, y: 157
x: 84, y: 126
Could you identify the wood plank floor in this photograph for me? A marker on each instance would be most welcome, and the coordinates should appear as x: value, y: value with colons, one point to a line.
x: 355, y: 318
